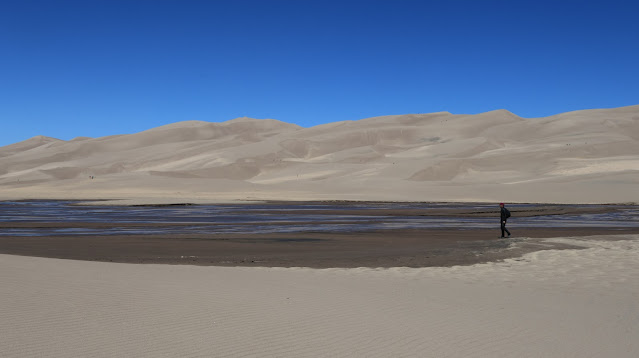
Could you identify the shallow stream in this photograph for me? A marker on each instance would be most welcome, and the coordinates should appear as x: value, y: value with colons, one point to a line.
x: 71, y: 219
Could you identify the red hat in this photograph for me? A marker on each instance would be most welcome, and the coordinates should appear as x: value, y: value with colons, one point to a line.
x: 501, y: 204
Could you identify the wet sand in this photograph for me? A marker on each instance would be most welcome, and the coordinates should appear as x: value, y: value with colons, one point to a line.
x: 393, y: 248
x: 409, y: 247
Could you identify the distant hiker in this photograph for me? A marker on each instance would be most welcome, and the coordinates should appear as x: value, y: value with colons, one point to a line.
x: 505, y: 214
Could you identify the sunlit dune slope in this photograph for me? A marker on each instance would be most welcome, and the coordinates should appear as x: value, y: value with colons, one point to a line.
x: 582, y: 156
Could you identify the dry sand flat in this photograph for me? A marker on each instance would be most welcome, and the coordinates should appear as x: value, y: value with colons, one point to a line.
x: 555, y: 303
x: 585, y: 156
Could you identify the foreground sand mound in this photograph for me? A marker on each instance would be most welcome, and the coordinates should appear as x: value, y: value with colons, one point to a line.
x: 583, y: 156
x: 553, y: 303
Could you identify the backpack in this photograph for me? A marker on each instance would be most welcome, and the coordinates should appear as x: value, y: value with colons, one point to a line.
x: 507, y: 212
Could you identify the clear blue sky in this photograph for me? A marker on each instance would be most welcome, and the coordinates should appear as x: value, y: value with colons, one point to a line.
x: 103, y: 67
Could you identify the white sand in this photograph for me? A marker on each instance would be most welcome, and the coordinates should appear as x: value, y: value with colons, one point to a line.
x: 589, y: 156
x: 570, y: 303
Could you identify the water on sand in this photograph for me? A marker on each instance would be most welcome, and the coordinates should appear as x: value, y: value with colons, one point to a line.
x: 66, y: 218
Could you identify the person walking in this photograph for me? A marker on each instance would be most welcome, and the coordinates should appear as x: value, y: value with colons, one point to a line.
x: 505, y: 214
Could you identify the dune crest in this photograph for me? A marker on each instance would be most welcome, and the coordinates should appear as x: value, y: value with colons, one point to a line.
x: 587, y: 156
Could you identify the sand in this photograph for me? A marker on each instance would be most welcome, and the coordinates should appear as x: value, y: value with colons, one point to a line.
x: 368, y: 234
x: 585, y: 156
x: 391, y: 248
x: 567, y: 296
x: 552, y: 303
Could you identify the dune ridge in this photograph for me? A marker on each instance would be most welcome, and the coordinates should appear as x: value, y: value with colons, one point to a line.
x: 588, y: 156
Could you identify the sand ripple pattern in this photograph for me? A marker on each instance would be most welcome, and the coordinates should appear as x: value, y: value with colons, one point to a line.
x: 556, y: 303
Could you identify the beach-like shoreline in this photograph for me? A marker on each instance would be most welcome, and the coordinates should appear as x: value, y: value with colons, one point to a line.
x: 445, y: 292
x: 296, y: 241
x: 396, y: 248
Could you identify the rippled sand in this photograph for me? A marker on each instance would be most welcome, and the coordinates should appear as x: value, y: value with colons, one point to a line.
x: 558, y: 303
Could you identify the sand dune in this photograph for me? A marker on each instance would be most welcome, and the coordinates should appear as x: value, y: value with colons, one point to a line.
x: 553, y: 303
x: 585, y: 156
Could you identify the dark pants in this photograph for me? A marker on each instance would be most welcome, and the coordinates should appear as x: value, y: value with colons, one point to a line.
x: 503, y: 228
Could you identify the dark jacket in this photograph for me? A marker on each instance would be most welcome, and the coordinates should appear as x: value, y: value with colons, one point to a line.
x: 505, y: 214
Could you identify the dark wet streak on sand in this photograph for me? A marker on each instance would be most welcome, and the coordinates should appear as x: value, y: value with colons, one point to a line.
x: 370, y: 235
